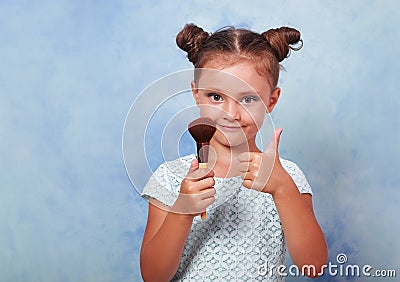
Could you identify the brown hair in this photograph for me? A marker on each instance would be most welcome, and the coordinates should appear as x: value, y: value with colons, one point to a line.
x: 266, y: 50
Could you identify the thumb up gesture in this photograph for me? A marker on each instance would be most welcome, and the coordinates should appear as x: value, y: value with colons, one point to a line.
x: 263, y: 171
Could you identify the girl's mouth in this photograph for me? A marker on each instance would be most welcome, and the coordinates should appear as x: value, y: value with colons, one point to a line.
x: 229, y: 128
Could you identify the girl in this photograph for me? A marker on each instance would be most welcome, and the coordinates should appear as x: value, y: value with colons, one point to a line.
x: 245, y: 235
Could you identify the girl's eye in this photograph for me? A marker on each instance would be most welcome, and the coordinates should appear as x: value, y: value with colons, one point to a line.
x: 215, y: 97
x: 249, y: 99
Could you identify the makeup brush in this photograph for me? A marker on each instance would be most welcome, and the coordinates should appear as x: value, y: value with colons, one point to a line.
x: 202, y: 130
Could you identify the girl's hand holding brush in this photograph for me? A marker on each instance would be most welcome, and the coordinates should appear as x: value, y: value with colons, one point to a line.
x: 197, y: 191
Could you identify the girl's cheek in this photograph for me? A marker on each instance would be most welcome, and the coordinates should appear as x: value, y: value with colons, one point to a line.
x: 256, y: 116
x: 212, y: 112
x: 259, y: 120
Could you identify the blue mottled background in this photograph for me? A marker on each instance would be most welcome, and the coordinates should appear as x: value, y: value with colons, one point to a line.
x: 69, y: 71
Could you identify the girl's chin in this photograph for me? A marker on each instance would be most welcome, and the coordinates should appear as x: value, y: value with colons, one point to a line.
x: 236, y: 141
x: 232, y: 141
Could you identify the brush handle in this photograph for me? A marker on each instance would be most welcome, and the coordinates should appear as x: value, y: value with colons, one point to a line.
x: 202, y: 156
x: 203, y: 165
x: 202, y: 153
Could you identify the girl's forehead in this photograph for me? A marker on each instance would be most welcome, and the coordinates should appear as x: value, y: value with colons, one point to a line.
x: 238, y: 79
x: 243, y: 67
x: 221, y: 80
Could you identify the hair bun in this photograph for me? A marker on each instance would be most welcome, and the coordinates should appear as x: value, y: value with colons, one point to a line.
x: 281, y: 40
x: 189, y: 39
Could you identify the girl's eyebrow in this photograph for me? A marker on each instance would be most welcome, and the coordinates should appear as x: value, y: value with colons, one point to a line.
x: 208, y: 88
x: 240, y: 94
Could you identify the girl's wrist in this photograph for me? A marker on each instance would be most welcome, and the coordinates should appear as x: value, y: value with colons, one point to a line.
x: 183, y: 217
x: 284, y: 186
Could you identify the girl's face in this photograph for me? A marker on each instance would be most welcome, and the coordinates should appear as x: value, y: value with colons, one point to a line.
x: 236, y: 98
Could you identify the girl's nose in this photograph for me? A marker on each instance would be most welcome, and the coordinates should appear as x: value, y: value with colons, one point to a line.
x: 232, y: 110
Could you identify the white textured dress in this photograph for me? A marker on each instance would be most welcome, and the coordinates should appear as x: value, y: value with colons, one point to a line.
x: 240, y: 240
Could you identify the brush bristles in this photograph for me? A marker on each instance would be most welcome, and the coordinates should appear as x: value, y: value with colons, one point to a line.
x: 202, y: 129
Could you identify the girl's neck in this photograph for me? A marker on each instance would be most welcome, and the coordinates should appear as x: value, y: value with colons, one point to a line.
x: 224, y: 160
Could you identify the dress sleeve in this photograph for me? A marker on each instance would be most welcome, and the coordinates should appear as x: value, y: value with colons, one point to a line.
x: 160, y: 187
x: 298, y: 176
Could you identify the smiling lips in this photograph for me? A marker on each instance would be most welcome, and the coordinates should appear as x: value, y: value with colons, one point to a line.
x: 229, y: 128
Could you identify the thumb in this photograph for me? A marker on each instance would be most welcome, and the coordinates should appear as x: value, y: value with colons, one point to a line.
x: 274, y: 142
x: 194, y: 165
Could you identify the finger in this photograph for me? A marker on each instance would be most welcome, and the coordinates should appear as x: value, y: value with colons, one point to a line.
x: 247, y: 156
x: 199, y: 174
x: 201, y: 192
x: 194, y: 186
x: 248, y: 183
x: 274, y: 141
x: 244, y: 166
x: 203, y: 173
x: 209, y: 201
x: 205, y: 183
x: 207, y: 193
x: 207, y: 172
x: 204, y: 193
x: 247, y: 176
x: 244, y: 157
x: 193, y: 166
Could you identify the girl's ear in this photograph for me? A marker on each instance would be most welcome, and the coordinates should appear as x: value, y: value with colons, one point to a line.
x: 195, y: 92
x: 273, y: 100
